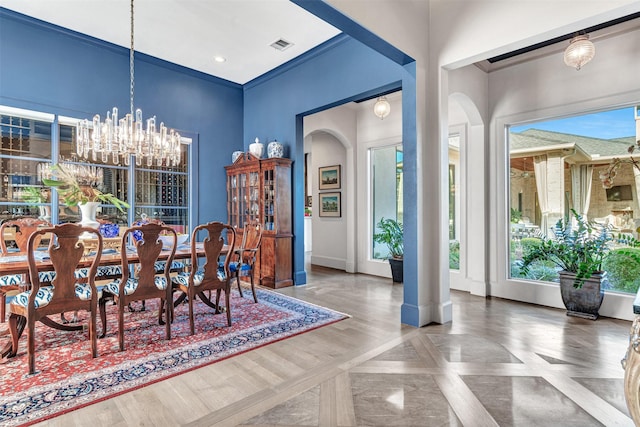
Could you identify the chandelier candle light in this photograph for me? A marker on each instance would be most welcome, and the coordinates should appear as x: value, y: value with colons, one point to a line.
x: 121, y: 138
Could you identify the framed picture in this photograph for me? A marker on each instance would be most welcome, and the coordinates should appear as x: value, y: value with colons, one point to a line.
x: 330, y: 204
x: 329, y: 177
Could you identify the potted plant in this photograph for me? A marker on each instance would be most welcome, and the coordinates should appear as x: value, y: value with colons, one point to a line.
x: 578, y: 248
x: 86, y: 197
x: 391, y: 234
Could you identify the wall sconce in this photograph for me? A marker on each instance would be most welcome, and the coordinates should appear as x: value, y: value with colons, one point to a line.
x: 382, y: 108
x: 579, y: 52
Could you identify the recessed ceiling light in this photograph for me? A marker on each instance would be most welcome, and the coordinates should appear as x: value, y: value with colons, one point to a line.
x: 219, y: 58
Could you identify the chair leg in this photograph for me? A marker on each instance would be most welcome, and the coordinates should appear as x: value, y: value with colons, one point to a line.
x: 228, y: 305
x: 121, y: 324
x: 31, y: 345
x: 238, y: 281
x: 192, y: 325
x: 168, y: 315
x: 218, y: 301
x: 3, y: 306
x: 253, y: 287
x: 16, y: 331
x: 160, y: 310
x: 102, y: 304
x: 92, y: 332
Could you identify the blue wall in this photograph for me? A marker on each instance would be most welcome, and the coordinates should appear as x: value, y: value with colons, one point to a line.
x: 54, y: 70
x: 340, y: 71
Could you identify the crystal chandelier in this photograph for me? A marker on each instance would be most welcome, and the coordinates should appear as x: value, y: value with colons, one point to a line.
x: 382, y: 108
x: 117, y: 139
x: 579, y: 52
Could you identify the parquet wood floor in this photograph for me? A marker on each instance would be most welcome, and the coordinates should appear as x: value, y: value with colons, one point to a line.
x: 499, y: 363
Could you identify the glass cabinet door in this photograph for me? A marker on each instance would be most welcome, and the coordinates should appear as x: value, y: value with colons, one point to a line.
x: 253, y: 210
x: 232, y: 200
x: 269, y: 200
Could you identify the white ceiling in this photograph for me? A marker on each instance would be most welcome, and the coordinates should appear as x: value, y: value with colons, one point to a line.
x: 192, y: 32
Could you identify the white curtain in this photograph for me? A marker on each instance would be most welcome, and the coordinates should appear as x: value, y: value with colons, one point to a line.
x: 581, y: 176
x: 540, y: 169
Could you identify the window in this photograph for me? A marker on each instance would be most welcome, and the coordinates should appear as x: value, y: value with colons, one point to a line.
x: 557, y: 166
x: 26, y: 141
x: 27, y: 150
x: 386, y: 173
x: 454, y: 202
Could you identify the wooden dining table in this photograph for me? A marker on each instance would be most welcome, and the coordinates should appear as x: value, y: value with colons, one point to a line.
x: 18, y: 264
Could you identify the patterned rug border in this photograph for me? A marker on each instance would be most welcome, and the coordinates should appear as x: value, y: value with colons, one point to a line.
x: 84, y: 390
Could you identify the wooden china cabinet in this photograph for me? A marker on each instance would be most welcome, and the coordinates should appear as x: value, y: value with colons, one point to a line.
x: 260, y: 190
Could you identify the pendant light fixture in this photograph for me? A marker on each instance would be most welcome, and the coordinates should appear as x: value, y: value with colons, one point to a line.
x: 580, y: 51
x: 382, y: 108
x: 117, y: 140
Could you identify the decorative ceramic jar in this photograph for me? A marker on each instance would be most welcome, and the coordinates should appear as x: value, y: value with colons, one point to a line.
x: 235, y: 155
x: 257, y: 148
x: 88, y: 213
x: 144, y: 219
x: 275, y: 149
x: 109, y: 230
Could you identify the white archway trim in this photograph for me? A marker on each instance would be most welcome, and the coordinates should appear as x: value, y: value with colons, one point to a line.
x: 349, y: 185
x: 473, y: 272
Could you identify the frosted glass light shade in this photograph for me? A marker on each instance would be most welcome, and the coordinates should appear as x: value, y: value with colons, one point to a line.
x: 382, y: 108
x: 579, y: 52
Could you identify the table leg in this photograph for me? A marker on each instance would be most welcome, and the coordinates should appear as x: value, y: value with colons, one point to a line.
x: 7, y: 350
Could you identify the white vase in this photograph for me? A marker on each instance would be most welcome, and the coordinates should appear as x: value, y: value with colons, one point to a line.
x: 257, y: 148
x: 88, y: 211
x: 45, y: 212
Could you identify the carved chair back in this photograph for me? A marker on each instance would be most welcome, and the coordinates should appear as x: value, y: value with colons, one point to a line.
x: 213, y: 244
x: 66, y: 251
x: 212, y: 275
x: 23, y: 228
x: 148, y: 248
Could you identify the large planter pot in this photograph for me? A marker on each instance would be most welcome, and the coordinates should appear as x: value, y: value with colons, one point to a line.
x: 585, y: 301
x: 396, y: 269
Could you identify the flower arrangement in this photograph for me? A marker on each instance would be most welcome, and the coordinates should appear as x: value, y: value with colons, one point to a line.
x: 72, y: 193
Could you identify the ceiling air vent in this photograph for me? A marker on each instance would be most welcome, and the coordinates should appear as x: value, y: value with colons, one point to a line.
x: 281, y: 44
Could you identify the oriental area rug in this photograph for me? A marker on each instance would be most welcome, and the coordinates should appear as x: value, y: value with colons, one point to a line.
x: 67, y: 378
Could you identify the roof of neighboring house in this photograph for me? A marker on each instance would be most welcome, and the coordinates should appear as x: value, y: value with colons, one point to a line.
x: 595, y: 147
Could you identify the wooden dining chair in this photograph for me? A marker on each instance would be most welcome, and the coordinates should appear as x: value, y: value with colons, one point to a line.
x: 146, y: 284
x: 245, y: 256
x: 21, y: 229
x: 209, y: 275
x: 64, y: 293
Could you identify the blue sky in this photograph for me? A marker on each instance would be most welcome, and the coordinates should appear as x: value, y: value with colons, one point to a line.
x: 606, y: 125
